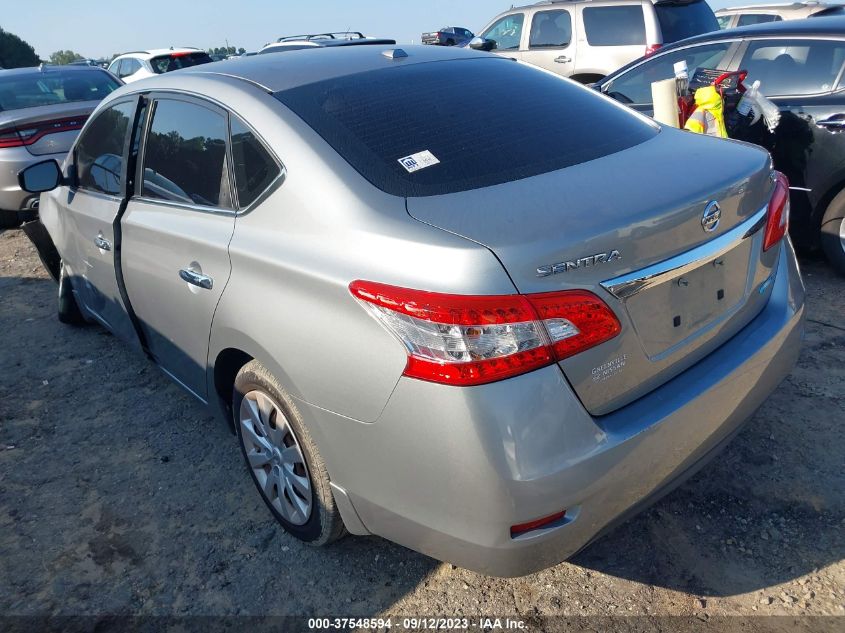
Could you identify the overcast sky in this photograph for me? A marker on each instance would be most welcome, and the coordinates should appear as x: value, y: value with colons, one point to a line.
x: 97, y: 28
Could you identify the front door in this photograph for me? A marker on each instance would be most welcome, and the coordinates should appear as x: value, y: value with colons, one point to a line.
x: 90, y: 208
x: 176, y: 233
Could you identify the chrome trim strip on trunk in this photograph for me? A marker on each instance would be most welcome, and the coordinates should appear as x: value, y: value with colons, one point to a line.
x: 628, y: 285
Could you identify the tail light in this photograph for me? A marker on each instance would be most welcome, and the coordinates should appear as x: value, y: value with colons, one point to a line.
x: 777, y: 216
x: 19, y: 137
x: 472, y: 340
x: 651, y: 49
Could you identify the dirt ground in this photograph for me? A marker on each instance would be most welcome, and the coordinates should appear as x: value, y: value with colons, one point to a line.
x: 119, y: 495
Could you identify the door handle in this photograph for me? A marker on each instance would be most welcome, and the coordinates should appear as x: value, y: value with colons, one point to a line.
x: 563, y: 59
x: 102, y: 243
x: 196, y: 279
x: 837, y: 122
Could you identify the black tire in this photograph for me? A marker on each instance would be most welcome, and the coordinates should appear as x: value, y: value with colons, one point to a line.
x: 68, y: 310
x: 833, y: 232
x: 450, y: 42
x: 324, y: 525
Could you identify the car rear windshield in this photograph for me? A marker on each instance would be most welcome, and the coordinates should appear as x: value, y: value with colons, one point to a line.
x: 50, y: 87
x: 410, y: 133
x: 175, y: 61
x: 680, y: 20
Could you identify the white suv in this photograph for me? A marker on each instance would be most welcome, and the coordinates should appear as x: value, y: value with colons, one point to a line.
x: 588, y: 39
x: 141, y: 64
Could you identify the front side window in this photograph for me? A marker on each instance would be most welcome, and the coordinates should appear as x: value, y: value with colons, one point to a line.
x: 185, y: 155
x: 614, y: 26
x: 794, y: 67
x: 506, y: 32
x: 99, y: 151
x: 747, y: 19
x: 254, y: 168
x: 551, y: 29
x: 634, y: 86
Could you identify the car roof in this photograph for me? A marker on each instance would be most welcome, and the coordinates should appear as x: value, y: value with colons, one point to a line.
x: 314, y: 43
x: 832, y: 25
x: 786, y: 6
x: 155, y: 52
x: 48, y: 68
x: 824, y: 26
x: 310, y: 65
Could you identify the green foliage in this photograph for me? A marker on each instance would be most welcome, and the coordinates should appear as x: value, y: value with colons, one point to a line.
x: 225, y: 50
x: 61, y: 58
x: 15, y: 53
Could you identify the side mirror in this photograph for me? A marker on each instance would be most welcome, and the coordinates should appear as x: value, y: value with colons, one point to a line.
x: 482, y: 44
x: 40, y: 177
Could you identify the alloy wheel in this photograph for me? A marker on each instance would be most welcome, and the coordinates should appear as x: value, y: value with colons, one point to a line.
x: 275, y: 457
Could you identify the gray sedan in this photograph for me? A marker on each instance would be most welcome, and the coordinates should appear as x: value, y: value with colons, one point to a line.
x: 486, y: 327
x: 41, y: 112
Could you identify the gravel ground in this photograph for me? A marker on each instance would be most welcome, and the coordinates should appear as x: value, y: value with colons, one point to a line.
x: 120, y: 495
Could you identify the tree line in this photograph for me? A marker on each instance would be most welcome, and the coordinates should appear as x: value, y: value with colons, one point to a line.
x: 16, y: 53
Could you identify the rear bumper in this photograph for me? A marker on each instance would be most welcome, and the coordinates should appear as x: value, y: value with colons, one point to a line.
x: 13, y: 199
x: 447, y: 471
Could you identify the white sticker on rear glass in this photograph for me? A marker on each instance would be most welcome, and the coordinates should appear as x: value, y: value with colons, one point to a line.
x: 418, y: 161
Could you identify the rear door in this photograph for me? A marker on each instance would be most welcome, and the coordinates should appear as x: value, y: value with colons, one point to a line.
x: 610, y: 35
x: 550, y: 41
x: 90, y: 208
x: 176, y: 233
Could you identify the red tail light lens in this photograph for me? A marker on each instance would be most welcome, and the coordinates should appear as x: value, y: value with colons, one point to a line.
x: 472, y: 340
x: 9, y: 137
x: 777, y: 217
x: 12, y: 137
x: 651, y: 49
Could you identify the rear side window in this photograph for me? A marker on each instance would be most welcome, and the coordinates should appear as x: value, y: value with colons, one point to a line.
x: 680, y: 20
x: 128, y: 66
x: 747, y: 19
x: 794, y: 67
x: 255, y: 169
x: 520, y: 122
x: 175, y: 61
x: 99, y: 151
x: 550, y: 29
x: 614, y: 26
x: 185, y: 155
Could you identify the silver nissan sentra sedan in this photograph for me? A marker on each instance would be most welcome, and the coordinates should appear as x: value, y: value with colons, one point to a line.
x: 485, y: 324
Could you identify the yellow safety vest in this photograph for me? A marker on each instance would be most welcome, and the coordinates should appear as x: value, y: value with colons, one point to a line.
x: 708, y: 117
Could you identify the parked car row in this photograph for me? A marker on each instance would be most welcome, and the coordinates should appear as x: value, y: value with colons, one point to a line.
x: 387, y: 288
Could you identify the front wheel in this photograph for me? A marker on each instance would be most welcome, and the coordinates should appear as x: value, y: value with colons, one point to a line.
x: 68, y: 309
x: 833, y: 232
x: 282, y: 458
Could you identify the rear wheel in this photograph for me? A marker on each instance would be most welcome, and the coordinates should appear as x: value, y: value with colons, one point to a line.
x: 833, y: 232
x: 68, y: 309
x: 282, y: 459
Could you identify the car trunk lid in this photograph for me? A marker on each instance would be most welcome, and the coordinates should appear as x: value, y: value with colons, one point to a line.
x: 48, y: 129
x: 630, y: 228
